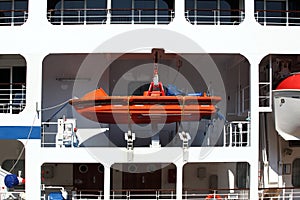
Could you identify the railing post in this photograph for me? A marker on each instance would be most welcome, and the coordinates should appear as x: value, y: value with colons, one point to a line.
x: 224, y: 135
x: 215, y: 17
x: 78, y: 15
x: 108, y: 15
x: 84, y: 16
x: 12, y: 17
x: 240, y: 127
x: 156, y: 16
x: 61, y: 17
x: 287, y: 18
x: 140, y: 16
x: 230, y: 135
x: 265, y: 16
x: 248, y: 134
x: 132, y: 16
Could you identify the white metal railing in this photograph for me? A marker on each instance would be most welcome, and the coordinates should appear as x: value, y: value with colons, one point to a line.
x: 237, y: 134
x: 13, y: 17
x: 283, y: 18
x: 76, y: 195
x: 245, y: 100
x: 265, y: 95
x: 110, y: 16
x: 218, y: 194
x: 234, y: 193
x: 279, y: 193
x: 214, y: 17
x: 49, y: 132
x: 143, y: 194
x: 12, y: 98
x: 20, y: 194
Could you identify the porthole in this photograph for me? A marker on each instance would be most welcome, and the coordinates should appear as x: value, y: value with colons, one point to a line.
x: 83, y: 168
x: 132, y: 168
x: 100, y: 168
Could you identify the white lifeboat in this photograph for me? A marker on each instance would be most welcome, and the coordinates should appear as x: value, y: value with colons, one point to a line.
x: 286, y: 102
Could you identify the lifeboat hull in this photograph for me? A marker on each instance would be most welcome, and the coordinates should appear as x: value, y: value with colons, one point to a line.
x: 287, y: 113
x: 102, y: 108
x: 286, y: 103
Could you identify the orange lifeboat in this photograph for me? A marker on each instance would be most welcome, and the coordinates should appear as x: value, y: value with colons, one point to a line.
x: 153, y: 107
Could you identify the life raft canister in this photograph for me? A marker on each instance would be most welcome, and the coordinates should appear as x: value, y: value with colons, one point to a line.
x: 213, y: 196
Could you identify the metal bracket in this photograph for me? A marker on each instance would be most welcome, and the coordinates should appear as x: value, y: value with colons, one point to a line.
x: 185, y: 137
x: 129, y: 137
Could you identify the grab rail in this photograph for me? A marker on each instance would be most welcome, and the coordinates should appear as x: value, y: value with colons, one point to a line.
x: 13, y: 17
x: 12, y: 97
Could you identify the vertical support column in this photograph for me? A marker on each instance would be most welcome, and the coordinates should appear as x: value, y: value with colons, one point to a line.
x: 249, y: 10
x: 32, y: 169
x: 179, y: 11
x: 254, y: 179
x: 37, y: 13
x: 106, y: 182
x: 179, y: 179
x: 254, y: 143
x: 34, y: 86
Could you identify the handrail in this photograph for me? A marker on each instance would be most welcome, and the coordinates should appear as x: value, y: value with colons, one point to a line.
x: 201, y: 193
x: 284, y: 20
x: 143, y: 190
x: 279, y: 193
x: 215, y: 9
x: 139, y: 193
x: 12, y: 18
x: 84, y: 16
x: 12, y: 83
x: 12, y: 97
x: 216, y: 17
x: 237, y: 134
x: 112, y: 9
x: 280, y: 11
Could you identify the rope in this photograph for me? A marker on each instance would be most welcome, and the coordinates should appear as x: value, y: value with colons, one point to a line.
x: 128, y: 110
x: 22, y: 151
x: 50, y: 108
x: 183, y: 105
x: 31, y: 128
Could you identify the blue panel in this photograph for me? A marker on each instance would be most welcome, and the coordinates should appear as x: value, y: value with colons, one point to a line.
x: 20, y: 132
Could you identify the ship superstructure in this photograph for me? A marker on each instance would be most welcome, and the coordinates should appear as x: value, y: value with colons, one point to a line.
x: 54, y: 52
